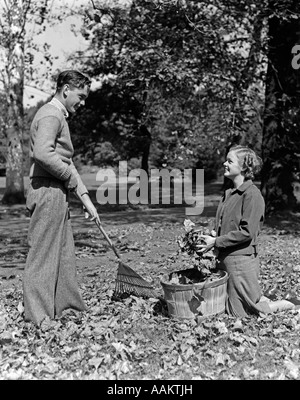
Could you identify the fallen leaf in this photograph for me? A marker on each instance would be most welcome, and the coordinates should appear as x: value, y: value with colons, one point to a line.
x: 220, y: 359
x: 221, y: 327
x: 179, y: 360
x: 293, y: 369
x: 6, y: 337
x: 20, y: 307
x: 237, y: 326
x: 96, y: 361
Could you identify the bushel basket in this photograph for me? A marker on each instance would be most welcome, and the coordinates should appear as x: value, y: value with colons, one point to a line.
x: 186, y: 301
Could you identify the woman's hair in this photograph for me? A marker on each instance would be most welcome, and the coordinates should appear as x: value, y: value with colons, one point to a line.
x: 73, y: 78
x: 250, y: 162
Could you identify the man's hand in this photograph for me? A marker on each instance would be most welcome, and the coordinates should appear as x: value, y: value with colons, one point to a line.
x: 71, y: 183
x: 90, y: 208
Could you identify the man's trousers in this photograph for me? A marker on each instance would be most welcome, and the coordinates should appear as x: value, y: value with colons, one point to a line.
x: 49, y: 282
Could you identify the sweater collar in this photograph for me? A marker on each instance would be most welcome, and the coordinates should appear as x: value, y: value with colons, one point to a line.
x: 60, y: 106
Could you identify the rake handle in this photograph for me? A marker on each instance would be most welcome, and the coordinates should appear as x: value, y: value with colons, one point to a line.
x: 101, y: 230
x: 107, y: 238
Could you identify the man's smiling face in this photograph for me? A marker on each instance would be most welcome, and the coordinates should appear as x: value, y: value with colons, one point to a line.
x: 75, y: 97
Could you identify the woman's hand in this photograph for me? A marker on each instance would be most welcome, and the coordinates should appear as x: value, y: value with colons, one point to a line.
x: 209, y: 244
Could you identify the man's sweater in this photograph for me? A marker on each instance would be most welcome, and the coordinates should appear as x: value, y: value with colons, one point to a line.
x: 51, y: 148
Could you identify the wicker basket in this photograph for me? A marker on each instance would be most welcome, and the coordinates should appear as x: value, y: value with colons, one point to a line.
x: 186, y: 301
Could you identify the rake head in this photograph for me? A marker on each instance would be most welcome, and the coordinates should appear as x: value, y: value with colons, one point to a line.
x: 128, y: 282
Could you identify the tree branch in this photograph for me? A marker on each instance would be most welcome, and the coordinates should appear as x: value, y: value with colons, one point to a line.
x: 237, y: 39
x: 24, y: 19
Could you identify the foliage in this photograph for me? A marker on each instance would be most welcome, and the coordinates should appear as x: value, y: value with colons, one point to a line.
x: 281, y: 144
x: 20, y: 22
x: 188, y: 243
x: 201, y: 80
x: 106, y: 130
x: 12, y: 31
x: 186, y: 65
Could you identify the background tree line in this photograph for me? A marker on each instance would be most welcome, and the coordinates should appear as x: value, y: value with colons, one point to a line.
x: 181, y: 81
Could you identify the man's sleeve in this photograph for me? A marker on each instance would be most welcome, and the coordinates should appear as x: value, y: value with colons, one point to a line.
x: 249, y: 224
x: 81, y: 189
x: 44, y: 148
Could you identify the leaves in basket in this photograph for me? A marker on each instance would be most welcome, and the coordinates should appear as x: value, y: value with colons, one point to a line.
x: 191, y: 276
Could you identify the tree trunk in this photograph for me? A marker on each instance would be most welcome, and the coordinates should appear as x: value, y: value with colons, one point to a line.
x: 14, y: 192
x: 146, y: 148
x: 14, y: 84
x: 281, y: 140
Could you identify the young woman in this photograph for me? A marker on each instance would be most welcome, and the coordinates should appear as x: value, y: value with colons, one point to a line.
x: 239, y: 217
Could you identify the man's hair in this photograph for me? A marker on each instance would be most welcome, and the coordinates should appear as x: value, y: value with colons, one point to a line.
x: 249, y: 161
x: 73, y: 78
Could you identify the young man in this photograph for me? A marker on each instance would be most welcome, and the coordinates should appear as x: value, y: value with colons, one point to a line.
x: 49, y: 282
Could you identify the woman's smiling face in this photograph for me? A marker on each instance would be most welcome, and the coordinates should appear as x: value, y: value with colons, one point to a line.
x: 232, y: 166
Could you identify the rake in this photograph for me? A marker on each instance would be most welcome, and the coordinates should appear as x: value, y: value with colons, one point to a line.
x: 128, y: 282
